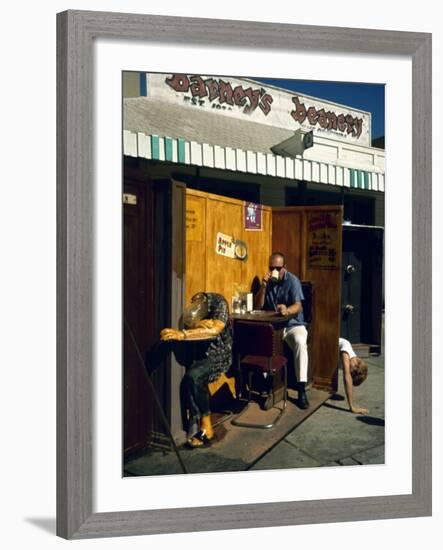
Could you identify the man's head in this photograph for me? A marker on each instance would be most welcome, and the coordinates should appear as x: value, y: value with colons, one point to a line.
x: 359, y: 371
x: 196, y: 310
x: 277, y: 261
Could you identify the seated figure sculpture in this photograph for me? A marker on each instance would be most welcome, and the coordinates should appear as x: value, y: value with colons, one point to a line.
x: 208, y: 330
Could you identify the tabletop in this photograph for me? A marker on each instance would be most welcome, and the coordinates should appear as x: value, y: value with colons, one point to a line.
x: 263, y: 316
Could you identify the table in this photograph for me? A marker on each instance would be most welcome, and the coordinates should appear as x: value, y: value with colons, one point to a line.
x: 247, y: 341
x: 270, y: 317
x: 263, y: 316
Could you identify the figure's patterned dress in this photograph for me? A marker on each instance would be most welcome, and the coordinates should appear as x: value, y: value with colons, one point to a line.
x: 219, y: 351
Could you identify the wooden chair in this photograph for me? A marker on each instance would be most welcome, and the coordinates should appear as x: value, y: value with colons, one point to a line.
x: 255, y: 350
x: 308, y: 302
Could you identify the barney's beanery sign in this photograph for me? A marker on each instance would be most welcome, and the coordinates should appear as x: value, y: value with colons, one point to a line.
x: 247, y: 99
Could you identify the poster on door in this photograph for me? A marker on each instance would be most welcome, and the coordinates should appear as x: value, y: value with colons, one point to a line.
x: 323, y: 240
x: 194, y: 219
x: 252, y: 216
x: 225, y: 245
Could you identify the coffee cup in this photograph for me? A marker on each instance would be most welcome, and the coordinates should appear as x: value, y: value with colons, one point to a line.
x: 275, y: 275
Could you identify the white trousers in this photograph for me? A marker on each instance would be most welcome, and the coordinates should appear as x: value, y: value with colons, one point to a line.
x: 297, y: 339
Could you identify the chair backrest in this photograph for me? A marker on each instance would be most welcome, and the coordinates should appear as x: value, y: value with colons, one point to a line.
x: 308, y: 302
x: 254, y: 338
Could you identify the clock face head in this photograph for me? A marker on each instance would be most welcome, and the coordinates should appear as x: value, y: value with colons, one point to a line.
x: 241, y: 250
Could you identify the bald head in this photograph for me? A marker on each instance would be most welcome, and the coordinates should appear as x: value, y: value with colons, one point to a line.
x: 277, y: 256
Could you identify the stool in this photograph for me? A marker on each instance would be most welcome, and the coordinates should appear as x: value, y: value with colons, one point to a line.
x: 255, y: 350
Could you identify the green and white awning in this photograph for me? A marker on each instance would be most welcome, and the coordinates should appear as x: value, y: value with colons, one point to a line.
x: 180, y: 151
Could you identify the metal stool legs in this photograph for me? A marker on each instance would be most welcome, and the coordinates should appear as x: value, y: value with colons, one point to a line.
x: 238, y: 422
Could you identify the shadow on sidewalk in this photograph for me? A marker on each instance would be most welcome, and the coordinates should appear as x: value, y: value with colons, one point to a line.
x: 371, y: 420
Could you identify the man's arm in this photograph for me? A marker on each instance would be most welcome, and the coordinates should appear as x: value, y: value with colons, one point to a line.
x: 295, y: 297
x: 289, y: 310
x: 259, y: 298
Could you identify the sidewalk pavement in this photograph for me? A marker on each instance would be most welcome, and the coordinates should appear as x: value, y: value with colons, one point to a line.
x: 334, y: 436
x: 330, y: 436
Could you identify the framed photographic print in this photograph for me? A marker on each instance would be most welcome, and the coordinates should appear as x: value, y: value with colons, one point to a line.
x: 186, y: 183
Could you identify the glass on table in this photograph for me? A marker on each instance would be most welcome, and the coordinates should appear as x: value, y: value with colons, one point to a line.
x: 236, y: 305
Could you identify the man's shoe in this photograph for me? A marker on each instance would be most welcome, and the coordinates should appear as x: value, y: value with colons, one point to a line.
x: 303, y: 402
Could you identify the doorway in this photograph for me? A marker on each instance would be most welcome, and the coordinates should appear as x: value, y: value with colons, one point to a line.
x: 138, y: 304
x: 362, y: 285
x: 153, y: 298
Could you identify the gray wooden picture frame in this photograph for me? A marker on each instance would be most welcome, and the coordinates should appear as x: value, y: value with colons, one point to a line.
x: 76, y: 32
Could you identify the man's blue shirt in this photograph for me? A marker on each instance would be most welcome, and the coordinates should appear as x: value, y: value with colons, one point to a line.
x: 287, y: 292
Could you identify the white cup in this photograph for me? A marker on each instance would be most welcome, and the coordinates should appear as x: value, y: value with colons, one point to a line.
x: 275, y: 275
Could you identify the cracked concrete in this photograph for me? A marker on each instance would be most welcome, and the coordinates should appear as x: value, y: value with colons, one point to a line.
x: 331, y: 436
x: 335, y: 436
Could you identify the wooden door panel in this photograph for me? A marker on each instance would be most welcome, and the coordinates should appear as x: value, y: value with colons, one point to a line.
x: 195, y: 244
x: 311, y: 240
x: 259, y: 246
x: 137, y: 307
x: 222, y: 274
x: 287, y: 237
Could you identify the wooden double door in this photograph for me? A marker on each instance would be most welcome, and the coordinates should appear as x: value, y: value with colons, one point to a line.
x: 155, y: 250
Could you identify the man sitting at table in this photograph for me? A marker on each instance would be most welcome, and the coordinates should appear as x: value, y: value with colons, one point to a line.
x: 281, y: 291
x: 209, y: 330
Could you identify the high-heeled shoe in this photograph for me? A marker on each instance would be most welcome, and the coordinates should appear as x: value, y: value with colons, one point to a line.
x: 200, y: 439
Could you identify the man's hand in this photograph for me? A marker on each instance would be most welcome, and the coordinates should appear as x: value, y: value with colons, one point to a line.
x: 266, y: 278
x: 359, y: 410
x: 171, y: 334
x: 282, y: 309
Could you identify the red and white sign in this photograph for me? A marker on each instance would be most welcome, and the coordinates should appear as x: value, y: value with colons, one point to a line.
x: 225, y: 245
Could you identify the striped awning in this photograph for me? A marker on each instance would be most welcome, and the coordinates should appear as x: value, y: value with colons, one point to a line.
x: 180, y: 151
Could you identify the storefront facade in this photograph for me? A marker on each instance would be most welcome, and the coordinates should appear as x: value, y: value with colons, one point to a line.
x: 229, y: 137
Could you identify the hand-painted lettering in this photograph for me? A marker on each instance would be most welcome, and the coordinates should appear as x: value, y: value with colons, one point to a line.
x: 349, y: 124
x: 327, y: 120
x: 254, y: 98
x: 265, y: 103
x: 322, y: 120
x: 222, y: 92
x: 213, y: 88
x: 226, y: 93
x: 198, y: 87
x: 299, y: 114
x: 341, y: 124
x: 239, y: 96
x: 312, y: 116
x: 332, y: 120
x: 178, y: 82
